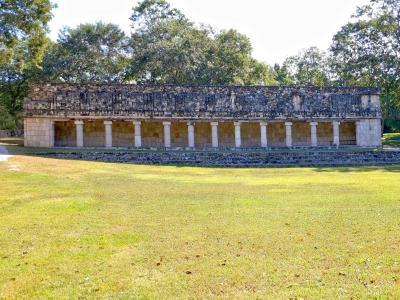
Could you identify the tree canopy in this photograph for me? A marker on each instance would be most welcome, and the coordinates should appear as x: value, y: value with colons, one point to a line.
x: 23, y: 41
x: 169, y: 48
x: 88, y: 53
x: 309, y: 67
x: 366, y: 51
x: 23, y: 27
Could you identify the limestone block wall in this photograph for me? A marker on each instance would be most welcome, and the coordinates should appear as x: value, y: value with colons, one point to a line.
x: 347, y: 133
x: 202, y: 102
x: 369, y: 133
x: 325, y: 134
x: 179, y: 134
x: 276, y: 134
x: 64, y: 134
x: 38, y: 132
x: 152, y: 134
x: 202, y: 134
x: 123, y: 134
x: 226, y: 134
x: 93, y: 134
x: 250, y: 133
x: 301, y: 134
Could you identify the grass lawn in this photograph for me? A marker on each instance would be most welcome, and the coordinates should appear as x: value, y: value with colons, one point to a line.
x: 77, y: 229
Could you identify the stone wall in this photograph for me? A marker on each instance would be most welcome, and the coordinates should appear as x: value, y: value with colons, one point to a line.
x: 240, y: 159
x: 276, y: 134
x: 93, y: 134
x: 369, y: 133
x: 179, y: 134
x: 348, y: 133
x: 123, y: 134
x: 226, y: 134
x: 64, y: 134
x: 38, y: 132
x: 152, y: 134
x: 202, y: 134
x: 301, y: 134
x: 193, y: 103
x: 250, y: 135
x: 325, y: 134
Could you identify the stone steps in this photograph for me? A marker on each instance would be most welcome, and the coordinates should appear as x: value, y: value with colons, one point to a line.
x: 240, y: 159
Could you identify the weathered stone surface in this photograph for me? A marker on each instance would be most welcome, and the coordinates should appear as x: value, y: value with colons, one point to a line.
x: 202, y: 102
x: 240, y: 159
x: 38, y: 132
x: 222, y: 116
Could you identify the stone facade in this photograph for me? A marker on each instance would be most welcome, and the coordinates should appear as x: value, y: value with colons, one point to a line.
x: 150, y: 116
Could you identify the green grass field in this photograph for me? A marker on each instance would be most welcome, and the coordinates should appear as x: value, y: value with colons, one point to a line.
x: 83, y: 230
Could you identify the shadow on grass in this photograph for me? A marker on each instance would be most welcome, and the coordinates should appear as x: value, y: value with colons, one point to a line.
x: 361, y: 168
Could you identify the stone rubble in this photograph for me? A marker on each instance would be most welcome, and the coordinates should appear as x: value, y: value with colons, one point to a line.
x: 238, y: 159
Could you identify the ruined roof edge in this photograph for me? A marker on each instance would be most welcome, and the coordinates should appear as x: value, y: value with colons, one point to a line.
x: 364, y: 89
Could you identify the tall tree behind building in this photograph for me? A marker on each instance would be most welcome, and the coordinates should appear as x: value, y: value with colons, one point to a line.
x: 94, y: 53
x: 308, y: 67
x: 23, y: 40
x: 366, y: 51
x: 169, y: 48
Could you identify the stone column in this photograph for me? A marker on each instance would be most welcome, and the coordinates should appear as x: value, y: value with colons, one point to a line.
x: 264, y: 138
x: 108, y: 132
x: 238, y: 138
x: 358, y: 133
x: 336, y: 133
x: 214, y: 134
x: 288, y: 134
x: 190, y: 134
x: 52, y: 134
x: 79, y: 133
x: 138, y: 134
x: 167, y: 134
x: 314, y: 137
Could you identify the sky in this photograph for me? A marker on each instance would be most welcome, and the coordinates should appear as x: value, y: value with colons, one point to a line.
x: 277, y: 28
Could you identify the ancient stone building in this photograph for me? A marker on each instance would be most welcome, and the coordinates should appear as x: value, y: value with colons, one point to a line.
x: 150, y: 116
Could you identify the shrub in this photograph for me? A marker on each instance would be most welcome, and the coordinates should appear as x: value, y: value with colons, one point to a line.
x: 7, y: 121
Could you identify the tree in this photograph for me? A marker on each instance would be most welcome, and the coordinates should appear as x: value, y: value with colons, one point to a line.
x: 232, y: 62
x: 13, y: 85
x: 150, y: 12
x: 7, y: 121
x: 169, y: 48
x: 282, y: 75
x: 367, y: 52
x: 172, y: 52
x: 89, y: 53
x: 23, y: 27
x: 309, y: 67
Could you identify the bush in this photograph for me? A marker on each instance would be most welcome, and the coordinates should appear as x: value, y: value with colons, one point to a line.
x: 391, y: 125
x: 7, y: 121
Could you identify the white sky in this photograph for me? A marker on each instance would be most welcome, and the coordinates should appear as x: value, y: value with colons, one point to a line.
x: 277, y: 28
